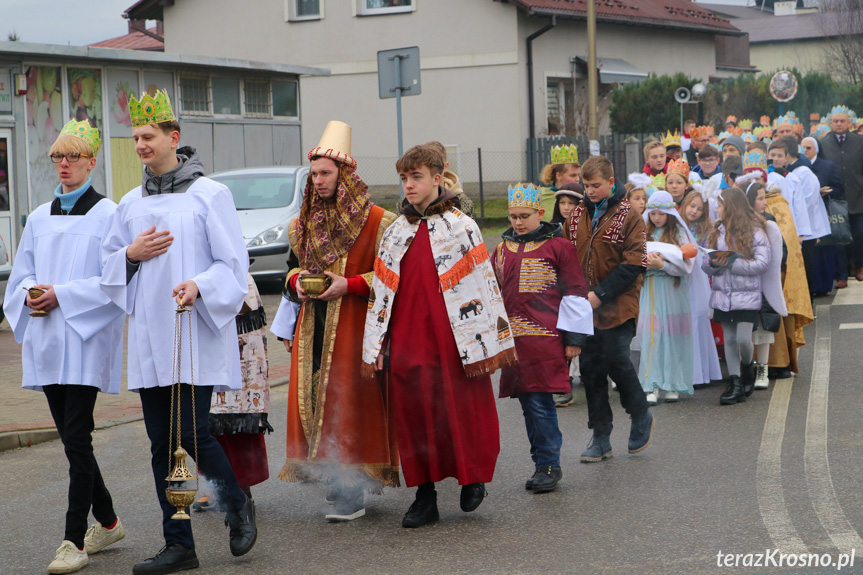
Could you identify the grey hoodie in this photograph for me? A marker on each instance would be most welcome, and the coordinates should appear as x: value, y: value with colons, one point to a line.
x: 174, y: 181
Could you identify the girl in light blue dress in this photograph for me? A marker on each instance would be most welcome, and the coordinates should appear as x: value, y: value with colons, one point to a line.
x: 664, y: 322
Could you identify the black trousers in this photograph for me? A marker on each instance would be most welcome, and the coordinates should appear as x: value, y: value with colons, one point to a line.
x: 72, y: 409
x: 808, y: 249
x: 212, y: 461
x: 606, y: 353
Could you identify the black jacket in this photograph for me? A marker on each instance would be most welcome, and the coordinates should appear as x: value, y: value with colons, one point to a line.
x: 848, y: 158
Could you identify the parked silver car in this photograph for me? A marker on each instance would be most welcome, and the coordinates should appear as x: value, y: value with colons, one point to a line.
x: 266, y: 199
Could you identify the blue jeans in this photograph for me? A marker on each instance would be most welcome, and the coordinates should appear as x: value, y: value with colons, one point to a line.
x: 540, y: 419
x: 213, y: 463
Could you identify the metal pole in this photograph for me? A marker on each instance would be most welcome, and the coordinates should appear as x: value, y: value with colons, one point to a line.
x: 481, y: 195
x: 398, y: 62
x: 592, y: 74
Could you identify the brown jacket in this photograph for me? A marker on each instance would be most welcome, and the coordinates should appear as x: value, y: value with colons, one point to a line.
x: 610, y: 256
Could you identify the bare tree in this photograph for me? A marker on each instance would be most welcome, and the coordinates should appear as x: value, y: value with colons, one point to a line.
x: 841, y: 21
x: 13, y: 36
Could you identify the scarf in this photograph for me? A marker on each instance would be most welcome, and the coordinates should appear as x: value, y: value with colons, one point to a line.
x: 67, y: 201
x: 330, y: 227
x: 465, y: 277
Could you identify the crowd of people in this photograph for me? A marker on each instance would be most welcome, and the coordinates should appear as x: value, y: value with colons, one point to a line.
x: 395, y: 322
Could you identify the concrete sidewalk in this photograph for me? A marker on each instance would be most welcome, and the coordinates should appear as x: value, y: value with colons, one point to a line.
x: 25, y: 418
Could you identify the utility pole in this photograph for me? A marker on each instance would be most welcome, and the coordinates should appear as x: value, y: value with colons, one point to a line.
x: 592, y: 73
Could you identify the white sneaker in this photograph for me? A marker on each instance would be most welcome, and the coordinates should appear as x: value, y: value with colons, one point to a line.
x: 652, y: 397
x: 69, y: 559
x: 671, y: 396
x: 97, y: 537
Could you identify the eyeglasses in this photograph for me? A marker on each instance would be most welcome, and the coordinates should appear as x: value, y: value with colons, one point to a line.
x: 70, y: 157
x: 708, y: 160
x: 522, y: 217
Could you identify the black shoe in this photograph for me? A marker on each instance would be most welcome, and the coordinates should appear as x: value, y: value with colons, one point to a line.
x: 529, y: 483
x: 172, y: 558
x: 422, y: 511
x: 546, y: 479
x: 243, y: 532
x: 747, y: 378
x: 778, y: 372
x: 733, y: 393
x: 640, y: 432
x: 472, y: 495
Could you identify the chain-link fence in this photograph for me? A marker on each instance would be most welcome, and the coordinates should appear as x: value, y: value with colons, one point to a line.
x: 485, y: 174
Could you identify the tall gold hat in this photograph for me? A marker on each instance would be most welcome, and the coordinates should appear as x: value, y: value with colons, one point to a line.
x: 335, y: 144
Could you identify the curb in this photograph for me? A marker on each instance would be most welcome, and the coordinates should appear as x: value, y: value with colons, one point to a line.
x: 29, y: 437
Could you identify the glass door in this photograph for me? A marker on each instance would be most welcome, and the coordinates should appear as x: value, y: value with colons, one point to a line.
x: 7, y: 244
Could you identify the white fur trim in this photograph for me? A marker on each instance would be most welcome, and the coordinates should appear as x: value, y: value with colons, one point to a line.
x: 640, y: 180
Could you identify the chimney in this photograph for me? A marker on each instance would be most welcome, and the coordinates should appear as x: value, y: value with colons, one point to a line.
x: 785, y: 8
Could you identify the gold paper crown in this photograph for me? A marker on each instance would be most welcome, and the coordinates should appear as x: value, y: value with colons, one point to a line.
x: 564, y: 154
x: 679, y: 167
x: 755, y: 160
x: 745, y: 124
x: 702, y: 132
x: 150, y: 110
x: 762, y: 132
x: 764, y: 121
x: 732, y: 118
x: 525, y: 196
x: 671, y: 139
x: 86, y: 132
x: 814, y: 117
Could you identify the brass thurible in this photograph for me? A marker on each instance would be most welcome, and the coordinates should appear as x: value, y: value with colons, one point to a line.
x: 315, y: 284
x: 179, y: 492
x: 36, y: 293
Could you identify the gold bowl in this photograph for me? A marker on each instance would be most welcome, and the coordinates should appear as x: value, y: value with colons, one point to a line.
x: 315, y: 284
x: 36, y: 293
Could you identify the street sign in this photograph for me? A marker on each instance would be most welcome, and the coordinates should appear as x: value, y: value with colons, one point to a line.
x: 399, y: 68
x: 399, y: 75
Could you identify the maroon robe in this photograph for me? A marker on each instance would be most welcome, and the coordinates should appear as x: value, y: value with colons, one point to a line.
x: 446, y: 423
x: 534, y: 277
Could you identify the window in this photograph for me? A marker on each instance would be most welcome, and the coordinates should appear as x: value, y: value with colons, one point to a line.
x: 257, y: 98
x: 298, y: 10
x: 373, y: 7
x: 226, y: 96
x: 195, y: 95
x: 285, y: 98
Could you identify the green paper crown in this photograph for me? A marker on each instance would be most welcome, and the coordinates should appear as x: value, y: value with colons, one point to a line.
x: 745, y: 124
x: 564, y: 154
x: 86, y: 132
x: 150, y: 110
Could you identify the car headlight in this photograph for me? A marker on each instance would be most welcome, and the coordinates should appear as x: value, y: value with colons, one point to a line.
x: 274, y: 235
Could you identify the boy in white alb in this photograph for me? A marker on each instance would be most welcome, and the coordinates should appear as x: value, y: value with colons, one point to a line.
x: 75, y: 350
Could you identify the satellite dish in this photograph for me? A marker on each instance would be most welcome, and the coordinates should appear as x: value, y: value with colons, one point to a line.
x: 682, y: 95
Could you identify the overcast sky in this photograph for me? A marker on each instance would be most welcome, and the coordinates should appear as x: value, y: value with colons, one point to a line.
x: 64, y: 21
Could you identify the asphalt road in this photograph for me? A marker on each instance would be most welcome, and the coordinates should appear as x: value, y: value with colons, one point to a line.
x: 780, y: 472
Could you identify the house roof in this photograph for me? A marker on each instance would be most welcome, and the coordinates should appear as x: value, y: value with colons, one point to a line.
x: 135, y: 40
x: 792, y: 28
x: 147, y: 9
x: 674, y: 14
x: 731, y: 12
x: 29, y: 51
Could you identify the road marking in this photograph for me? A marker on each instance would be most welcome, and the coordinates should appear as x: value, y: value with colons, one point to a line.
x: 817, y: 465
x: 851, y: 325
x: 852, y: 295
x: 768, y: 475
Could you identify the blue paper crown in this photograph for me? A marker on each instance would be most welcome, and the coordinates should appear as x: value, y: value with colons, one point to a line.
x: 843, y: 110
x: 788, y: 118
x: 755, y: 159
x: 525, y: 196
